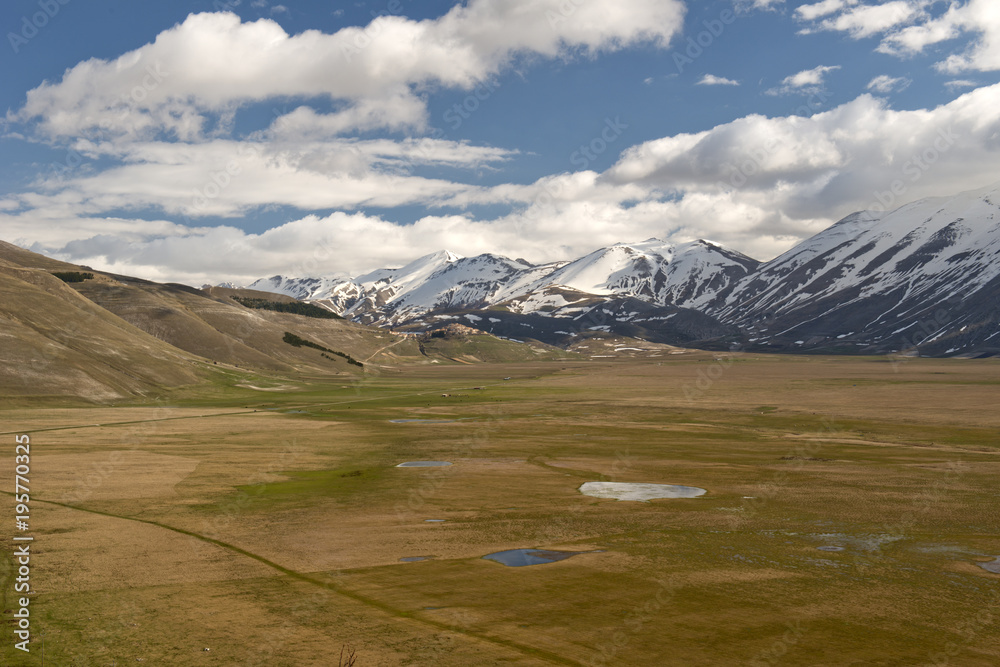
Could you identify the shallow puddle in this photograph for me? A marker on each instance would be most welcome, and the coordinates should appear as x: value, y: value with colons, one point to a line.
x: 423, y: 464
x: 639, y: 491
x: 522, y: 557
x: 830, y: 548
x: 434, y: 520
x: 993, y: 566
x: 414, y: 559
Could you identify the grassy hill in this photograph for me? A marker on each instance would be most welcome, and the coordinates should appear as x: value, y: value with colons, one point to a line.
x: 58, y: 343
x: 104, y: 336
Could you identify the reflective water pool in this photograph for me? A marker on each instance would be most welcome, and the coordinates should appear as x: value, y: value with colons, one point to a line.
x: 639, y: 491
x: 993, y: 566
x: 423, y: 464
x: 522, y: 557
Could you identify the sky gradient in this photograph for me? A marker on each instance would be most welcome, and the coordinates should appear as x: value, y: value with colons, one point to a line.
x: 205, y: 141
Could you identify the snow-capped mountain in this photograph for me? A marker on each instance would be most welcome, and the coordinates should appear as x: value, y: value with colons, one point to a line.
x: 925, y: 277
x: 691, y: 274
x: 919, y: 275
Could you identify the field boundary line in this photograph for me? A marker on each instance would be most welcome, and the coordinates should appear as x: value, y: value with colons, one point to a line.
x: 357, y: 597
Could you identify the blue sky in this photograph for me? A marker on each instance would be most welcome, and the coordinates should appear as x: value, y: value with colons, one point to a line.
x: 208, y: 141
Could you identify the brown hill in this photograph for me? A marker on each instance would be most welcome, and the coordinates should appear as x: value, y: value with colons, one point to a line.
x: 104, y: 336
x: 58, y: 343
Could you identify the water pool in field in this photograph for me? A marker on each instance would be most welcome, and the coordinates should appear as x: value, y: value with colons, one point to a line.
x: 422, y: 421
x: 414, y: 559
x: 639, y: 491
x: 993, y: 566
x: 423, y: 464
x: 522, y: 557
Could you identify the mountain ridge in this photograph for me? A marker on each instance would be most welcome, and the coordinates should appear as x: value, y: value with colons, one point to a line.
x: 865, y: 284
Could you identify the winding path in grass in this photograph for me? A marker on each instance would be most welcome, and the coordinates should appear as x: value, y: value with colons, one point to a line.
x: 357, y: 597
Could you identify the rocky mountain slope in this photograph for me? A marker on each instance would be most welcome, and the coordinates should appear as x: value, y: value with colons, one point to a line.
x: 924, y: 279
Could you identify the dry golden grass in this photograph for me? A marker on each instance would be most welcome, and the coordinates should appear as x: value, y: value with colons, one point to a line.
x: 274, y: 537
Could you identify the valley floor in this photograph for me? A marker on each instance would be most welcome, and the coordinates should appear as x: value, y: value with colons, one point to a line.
x: 268, y: 526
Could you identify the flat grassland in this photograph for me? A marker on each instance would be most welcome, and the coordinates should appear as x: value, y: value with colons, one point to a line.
x: 267, y: 526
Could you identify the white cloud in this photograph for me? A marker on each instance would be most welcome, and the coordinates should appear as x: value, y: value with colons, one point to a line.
x: 712, y: 80
x: 837, y: 161
x: 396, y: 112
x: 821, y: 9
x: 756, y: 184
x: 765, y: 5
x: 909, y: 27
x: 227, y: 178
x: 913, y: 39
x: 867, y: 20
x: 980, y: 17
x: 960, y: 83
x: 807, y: 81
x: 212, y: 63
x: 884, y: 83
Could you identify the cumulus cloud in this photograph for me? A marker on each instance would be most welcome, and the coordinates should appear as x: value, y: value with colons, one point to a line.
x: 161, y: 115
x: 981, y: 18
x: 805, y: 82
x: 820, y: 9
x: 757, y: 184
x: 867, y: 20
x: 764, y: 5
x: 712, y: 80
x: 908, y: 27
x: 836, y: 161
x: 888, y: 84
x: 213, y: 63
